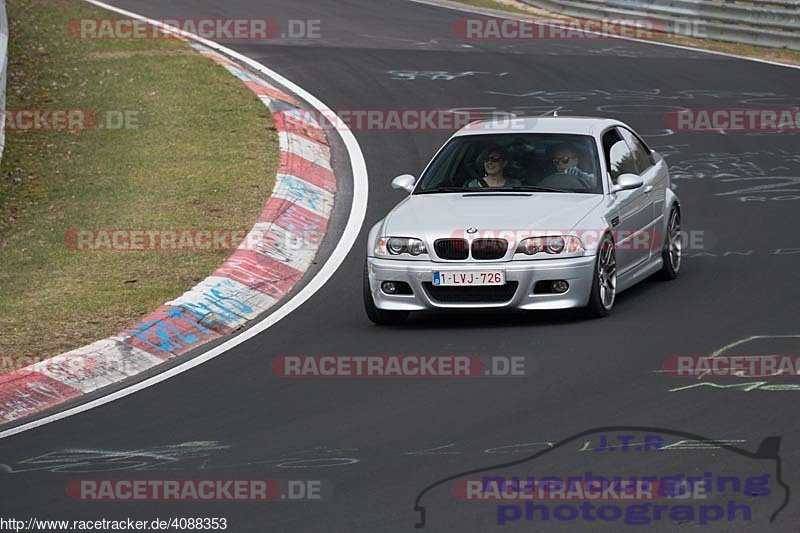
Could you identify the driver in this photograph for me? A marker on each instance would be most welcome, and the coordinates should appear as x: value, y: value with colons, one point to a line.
x: 566, y: 161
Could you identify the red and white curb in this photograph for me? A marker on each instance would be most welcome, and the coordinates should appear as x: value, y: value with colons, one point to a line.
x: 251, y: 281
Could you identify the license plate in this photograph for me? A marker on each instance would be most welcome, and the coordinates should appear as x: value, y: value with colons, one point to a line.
x: 472, y: 278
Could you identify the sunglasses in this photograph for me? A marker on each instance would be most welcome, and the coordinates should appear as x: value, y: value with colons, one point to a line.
x: 494, y: 159
x: 563, y: 160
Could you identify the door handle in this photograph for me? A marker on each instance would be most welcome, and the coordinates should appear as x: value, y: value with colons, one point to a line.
x: 648, y: 189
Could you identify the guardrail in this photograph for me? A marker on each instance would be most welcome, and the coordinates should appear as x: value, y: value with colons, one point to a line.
x: 772, y: 23
x: 3, y: 72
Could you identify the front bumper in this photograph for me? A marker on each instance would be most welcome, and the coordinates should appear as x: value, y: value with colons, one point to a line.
x: 577, y: 271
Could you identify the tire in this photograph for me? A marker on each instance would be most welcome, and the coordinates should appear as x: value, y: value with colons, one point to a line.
x: 379, y: 316
x: 672, y: 252
x: 604, y: 282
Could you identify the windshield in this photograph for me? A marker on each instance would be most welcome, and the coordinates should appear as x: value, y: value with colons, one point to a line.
x: 548, y: 162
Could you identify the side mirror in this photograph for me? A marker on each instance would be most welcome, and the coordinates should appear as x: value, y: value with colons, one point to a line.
x: 627, y: 182
x: 405, y: 182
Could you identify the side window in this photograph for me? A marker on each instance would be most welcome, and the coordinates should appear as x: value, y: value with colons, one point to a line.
x: 644, y: 159
x: 619, y: 158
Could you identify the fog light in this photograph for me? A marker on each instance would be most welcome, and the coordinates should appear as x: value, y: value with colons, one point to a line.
x: 389, y: 287
x: 560, y: 286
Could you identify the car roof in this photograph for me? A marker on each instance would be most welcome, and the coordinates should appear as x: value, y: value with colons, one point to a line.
x: 570, y: 125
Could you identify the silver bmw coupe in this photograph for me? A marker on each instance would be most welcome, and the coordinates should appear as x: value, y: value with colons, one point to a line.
x: 528, y: 213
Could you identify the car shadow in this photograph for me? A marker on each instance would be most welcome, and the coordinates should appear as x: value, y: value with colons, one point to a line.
x: 504, y: 318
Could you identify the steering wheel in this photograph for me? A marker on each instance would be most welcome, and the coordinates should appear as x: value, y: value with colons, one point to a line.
x: 562, y: 180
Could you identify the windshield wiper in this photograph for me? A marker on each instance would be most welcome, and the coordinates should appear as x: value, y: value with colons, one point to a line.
x: 538, y: 189
x: 479, y: 190
x: 520, y: 188
x: 443, y: 189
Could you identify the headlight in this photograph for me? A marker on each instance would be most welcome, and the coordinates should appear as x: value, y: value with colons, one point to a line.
x: 387, y: 246
x: 555, y: 245
x: 552, y: 244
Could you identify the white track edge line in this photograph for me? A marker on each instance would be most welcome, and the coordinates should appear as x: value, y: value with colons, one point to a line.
x: 358, y: 210
x: 522, y: 16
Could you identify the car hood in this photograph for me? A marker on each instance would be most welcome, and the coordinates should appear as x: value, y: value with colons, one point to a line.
x: 432, y: 216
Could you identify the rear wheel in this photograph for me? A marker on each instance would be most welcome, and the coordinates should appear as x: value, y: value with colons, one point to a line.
x: 672, y: 253
x: 379, y: 316
x: 604, y: 284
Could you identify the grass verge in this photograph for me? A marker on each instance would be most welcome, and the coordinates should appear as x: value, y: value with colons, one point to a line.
x: 199, y: 151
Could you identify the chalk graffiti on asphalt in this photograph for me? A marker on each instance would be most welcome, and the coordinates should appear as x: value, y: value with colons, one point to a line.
x: 527, y: 448
x: 85, y: 460
x: 787, y: 186
x: 183, y: 456
x: 437, y: 75
x: 206, y: 455
x: 775, y: 252
x: 750, y: 386
x: 766, y: 173
x: 635, y: 102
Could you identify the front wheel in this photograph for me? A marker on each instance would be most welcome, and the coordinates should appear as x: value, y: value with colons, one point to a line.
x: 672, y: 253
x: 379, y: 316
x: 604, y: 284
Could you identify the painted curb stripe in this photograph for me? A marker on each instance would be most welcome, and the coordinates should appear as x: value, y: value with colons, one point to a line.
x: 286, y: 121
x: 97, y: 365
x: 24, y: 392
x: 293, y: 217
x: 297, y: 165
x: 250, y: 268
x: 317, y: 153
x: 223, y: 304
x: 282, y: 246
x: 249, y: 282
x: 169, y: 331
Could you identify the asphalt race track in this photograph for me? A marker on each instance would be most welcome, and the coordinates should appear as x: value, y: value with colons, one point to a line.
x: 379, y: 442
